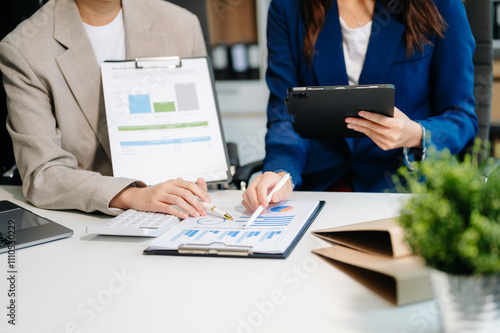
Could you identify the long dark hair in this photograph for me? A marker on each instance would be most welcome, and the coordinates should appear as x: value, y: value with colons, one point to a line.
x: 421, y: 19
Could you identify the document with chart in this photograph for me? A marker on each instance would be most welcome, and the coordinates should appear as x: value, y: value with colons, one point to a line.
x: 163, y: 120
x: 274, y: 233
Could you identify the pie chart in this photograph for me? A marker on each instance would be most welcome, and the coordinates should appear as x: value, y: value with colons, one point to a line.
x: 209, y: 220
x: 280, y: 209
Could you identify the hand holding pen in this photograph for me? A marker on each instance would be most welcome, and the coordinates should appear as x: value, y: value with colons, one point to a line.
x: 259, y: 209
x: 258, y: 191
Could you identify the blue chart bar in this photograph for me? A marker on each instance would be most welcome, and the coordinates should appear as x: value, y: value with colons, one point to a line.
x: 268, y: 221
x: 264, y: 237
x: 139, y: 104
x: 183, y: 232
x: 222, y: 235
x: 164, y: 142
x: 202, y: 236
x: 273, y: 233
x: 248, y: 234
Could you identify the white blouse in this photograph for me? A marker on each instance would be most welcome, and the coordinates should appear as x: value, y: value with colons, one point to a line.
x: 355, y: 44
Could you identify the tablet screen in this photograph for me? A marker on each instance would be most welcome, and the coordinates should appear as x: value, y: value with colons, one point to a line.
x: 23, y: 219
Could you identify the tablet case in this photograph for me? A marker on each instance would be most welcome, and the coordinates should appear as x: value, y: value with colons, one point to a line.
x: 320, y: 112
x: 215, y: 250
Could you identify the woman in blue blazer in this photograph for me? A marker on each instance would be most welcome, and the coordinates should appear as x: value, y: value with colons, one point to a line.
x: 423, y: 47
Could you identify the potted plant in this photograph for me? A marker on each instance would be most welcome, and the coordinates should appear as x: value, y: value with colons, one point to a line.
x: 453, y: 224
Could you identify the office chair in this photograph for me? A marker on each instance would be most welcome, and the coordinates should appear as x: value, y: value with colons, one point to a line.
x: 479, y: 13
x: 11, y: 14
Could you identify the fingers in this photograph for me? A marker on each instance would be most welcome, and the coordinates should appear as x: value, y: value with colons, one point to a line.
x: 386, y: 132
x: 171, y: 210
x: 264, y: 187
x: 187, y: 194
x: 377, y: 118
x: 370, y: 120
x: 258, y: 191
x: 203, y: 185
x: 177, y: 197
x: 194, y: 188
x: 250, y: 198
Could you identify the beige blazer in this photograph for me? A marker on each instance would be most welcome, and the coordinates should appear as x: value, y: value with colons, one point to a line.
x: 56, y: 112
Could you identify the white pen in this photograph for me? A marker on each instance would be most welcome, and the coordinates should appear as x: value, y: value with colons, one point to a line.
x: 259, y: 209
x: 216, y: 211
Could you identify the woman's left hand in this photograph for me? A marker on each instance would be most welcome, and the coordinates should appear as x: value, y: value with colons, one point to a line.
x: 388, y: 133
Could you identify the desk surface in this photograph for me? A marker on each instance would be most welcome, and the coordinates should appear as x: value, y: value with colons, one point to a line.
x: 90, y: 283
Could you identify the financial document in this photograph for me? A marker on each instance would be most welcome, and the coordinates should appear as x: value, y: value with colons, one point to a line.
x: 163, y: 121
x: 272, y: 232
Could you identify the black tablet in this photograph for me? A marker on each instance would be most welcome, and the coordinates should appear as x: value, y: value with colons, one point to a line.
x: 23, y: 228
x: 320, y: 112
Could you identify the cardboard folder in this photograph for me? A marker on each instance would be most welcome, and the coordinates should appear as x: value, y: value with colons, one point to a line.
x: 401, y: 280
x: 383, y: 236
x: 375, y: 254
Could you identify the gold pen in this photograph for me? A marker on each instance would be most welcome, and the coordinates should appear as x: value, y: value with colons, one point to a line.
x: 216, y: 211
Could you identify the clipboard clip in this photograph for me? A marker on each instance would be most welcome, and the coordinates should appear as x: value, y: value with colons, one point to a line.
x: 216, y: 248
x: 165, y: 62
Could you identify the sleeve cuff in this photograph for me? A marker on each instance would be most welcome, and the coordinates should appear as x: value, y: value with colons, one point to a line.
x: 291, y: 179
x: 117, y: 211
x: 414, y: 155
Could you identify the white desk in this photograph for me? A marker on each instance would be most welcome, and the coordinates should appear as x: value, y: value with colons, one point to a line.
x: 71, y: 285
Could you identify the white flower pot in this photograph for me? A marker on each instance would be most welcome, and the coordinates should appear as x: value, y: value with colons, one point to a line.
x: 468, y: 303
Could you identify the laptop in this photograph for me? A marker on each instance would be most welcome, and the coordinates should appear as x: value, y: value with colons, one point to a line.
x: 26, y: 228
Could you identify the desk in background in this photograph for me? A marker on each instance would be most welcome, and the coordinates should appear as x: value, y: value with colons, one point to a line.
x: 95, y: 284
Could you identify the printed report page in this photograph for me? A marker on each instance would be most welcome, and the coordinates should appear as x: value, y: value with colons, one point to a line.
x: 272, y: 232
x: 163, y: 121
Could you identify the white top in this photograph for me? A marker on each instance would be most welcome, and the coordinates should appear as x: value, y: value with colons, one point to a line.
x: 108, y: 41
x: 355, y: 44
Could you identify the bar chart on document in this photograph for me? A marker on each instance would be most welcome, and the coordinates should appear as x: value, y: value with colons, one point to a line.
x: 163, y: 121
x: 271, y: 232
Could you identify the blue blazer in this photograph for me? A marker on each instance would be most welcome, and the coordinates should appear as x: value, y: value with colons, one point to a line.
x: 434, y: 87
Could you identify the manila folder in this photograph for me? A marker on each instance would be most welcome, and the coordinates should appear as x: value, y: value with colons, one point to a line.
x: 383, y: 236
x: 399, y: 280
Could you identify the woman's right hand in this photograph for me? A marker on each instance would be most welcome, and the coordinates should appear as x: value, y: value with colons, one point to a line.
x: 163, y: 197
x: 257, y: 192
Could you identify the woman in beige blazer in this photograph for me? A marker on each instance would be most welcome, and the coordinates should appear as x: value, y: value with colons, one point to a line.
x: 56, y: 112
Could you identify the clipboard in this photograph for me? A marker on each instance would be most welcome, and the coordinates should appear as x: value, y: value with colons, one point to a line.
x: 320, y: 112
x: 163, y: 120
x: 222, y: 249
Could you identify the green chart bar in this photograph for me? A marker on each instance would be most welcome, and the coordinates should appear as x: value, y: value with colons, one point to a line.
x: 162, y: 127
x: 164, y: 107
